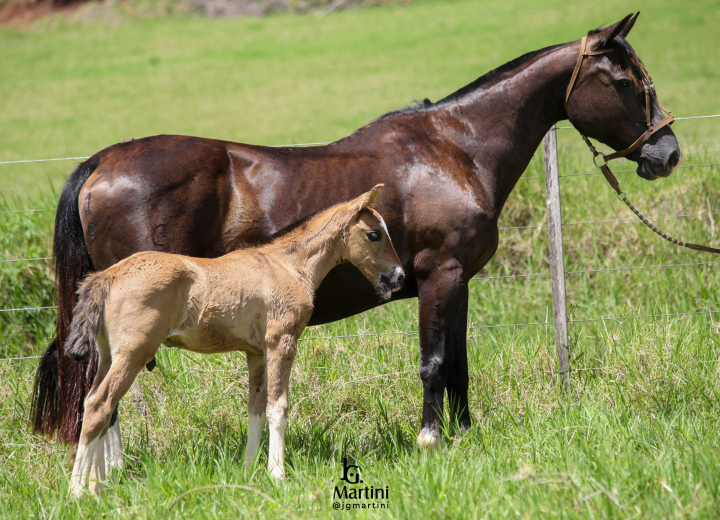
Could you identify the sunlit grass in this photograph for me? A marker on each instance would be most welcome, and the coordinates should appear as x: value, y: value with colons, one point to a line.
x: 636, y: 436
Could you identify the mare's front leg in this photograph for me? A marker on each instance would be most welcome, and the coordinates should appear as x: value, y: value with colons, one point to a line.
x: 280, y: 357
x: 443, y: 304
x: 257, y: 403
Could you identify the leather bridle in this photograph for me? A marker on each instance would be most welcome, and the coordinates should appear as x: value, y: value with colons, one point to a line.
x: 650, y: 96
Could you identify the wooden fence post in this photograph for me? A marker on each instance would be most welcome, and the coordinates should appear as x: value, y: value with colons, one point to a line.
x: 557, y: 260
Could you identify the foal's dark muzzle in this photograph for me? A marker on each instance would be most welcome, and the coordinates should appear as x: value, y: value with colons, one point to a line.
x: 391, y: 282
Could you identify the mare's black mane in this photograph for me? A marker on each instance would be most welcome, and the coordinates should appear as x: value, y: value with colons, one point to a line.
x: 284, y: 231
x: 292, y: 227
x: 475, y: 85
x: 626, y: 57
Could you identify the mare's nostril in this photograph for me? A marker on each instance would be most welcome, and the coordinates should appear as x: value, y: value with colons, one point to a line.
x: 672, y: 161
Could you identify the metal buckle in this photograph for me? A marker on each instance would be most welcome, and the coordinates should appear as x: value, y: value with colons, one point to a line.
x: 595, y: 162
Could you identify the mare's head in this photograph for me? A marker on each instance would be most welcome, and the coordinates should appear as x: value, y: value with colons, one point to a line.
x: 366, y: 244
x: 607, y: 102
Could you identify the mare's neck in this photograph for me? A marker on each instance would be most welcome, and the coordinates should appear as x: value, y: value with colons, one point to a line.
x: 502, y: 123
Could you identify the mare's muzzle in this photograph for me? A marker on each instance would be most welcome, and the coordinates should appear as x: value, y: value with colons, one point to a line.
x: 659, y: 156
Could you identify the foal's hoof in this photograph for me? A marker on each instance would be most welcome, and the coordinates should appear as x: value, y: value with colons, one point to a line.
x: 277, y: 472
x: 96, y: 487
x: 428, y: 438
x: 77, y: 490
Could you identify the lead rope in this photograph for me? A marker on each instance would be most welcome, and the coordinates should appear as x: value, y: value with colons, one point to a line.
x: 612, y: 180
x: 650, y: 95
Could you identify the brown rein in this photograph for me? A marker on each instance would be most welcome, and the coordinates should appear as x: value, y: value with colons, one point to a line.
x: 649, y: 88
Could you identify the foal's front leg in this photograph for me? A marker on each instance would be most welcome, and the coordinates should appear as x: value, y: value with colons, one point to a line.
x: 280, y: 357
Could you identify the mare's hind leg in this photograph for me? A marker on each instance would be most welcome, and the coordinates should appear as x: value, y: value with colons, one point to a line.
x: 99, y: 407
x: 257, y: 402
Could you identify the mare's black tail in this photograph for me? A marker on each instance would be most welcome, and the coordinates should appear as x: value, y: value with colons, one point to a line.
x: 61, y: 384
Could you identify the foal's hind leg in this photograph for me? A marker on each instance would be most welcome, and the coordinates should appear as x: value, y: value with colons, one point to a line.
x: 113, y: 444
x: 86, y: 461
x: 99, y: 407
x: 257, y: 402
x: 114, y: 457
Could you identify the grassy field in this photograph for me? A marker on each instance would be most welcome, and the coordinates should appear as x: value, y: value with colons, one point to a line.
x: 637, y: 436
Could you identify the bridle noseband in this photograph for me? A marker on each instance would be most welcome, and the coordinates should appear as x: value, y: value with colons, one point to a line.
x: 650, y: 95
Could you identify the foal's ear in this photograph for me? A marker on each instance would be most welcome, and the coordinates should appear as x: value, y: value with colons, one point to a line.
x: 366, y: 199
x: 622, y: 28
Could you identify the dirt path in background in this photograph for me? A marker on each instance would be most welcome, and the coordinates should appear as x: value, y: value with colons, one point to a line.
x: 20, y: 14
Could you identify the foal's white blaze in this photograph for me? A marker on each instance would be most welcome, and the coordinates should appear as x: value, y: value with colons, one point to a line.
x: 81, y: 469
x: 277, y: 420
x: 428, y: 438
x: 382, y: 222
x: 256, y: 423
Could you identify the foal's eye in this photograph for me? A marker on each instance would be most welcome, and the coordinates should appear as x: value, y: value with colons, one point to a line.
x: 374, y: 236
x: 623, y: 83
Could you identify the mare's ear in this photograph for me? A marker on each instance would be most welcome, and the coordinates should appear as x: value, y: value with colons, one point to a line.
x: 622, y: 28
x: 366, y: 199
x: 628, y: 26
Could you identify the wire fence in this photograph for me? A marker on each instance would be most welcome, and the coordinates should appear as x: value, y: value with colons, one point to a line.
x: 474, y: 279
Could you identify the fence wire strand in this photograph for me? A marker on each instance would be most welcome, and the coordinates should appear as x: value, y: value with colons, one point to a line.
x: 24, y: 161
x: 538, y: 226
x: 482, y: 327
x: 521, y: 178
x: 474, y: 328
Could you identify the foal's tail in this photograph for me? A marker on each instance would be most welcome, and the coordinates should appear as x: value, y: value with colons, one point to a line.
x: 88, y: 316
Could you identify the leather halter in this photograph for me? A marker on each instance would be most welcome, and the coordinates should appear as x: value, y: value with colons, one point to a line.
x: 650, y: 95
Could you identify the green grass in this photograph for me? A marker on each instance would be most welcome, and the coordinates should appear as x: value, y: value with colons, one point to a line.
x: 637, y: 438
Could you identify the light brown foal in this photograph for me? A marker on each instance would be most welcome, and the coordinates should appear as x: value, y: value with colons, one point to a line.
x: 257, y: 300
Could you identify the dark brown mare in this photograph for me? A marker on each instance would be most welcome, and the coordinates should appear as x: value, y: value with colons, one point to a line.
x: 448, y: 168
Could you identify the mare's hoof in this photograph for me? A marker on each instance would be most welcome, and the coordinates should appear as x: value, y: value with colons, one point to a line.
x: 151, y: 365
x: 428, y: 438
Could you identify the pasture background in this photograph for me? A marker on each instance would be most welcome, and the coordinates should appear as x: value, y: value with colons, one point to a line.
x: 638, y: 438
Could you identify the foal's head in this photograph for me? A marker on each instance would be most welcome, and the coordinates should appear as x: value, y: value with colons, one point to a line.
x: 366, y: 244
x: 608, y: 102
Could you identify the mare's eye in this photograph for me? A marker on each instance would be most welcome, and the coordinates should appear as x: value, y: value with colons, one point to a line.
x: 623, y: 83
x: 374, y: 236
